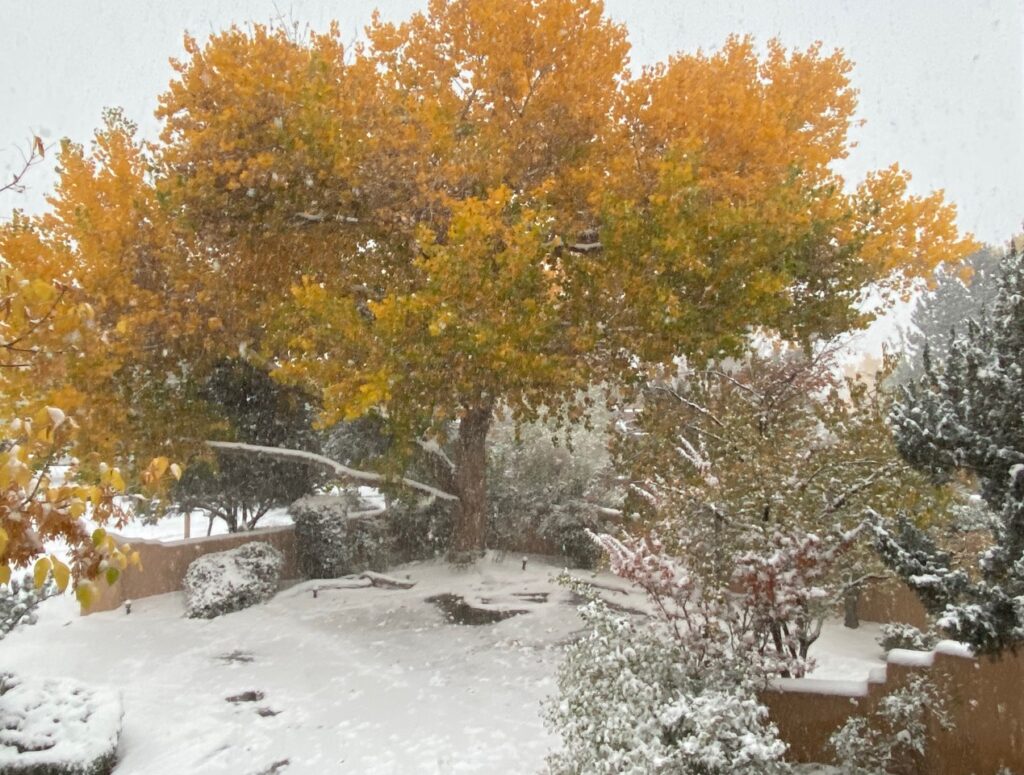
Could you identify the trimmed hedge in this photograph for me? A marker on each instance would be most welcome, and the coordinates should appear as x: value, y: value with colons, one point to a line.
x: 223, y: 582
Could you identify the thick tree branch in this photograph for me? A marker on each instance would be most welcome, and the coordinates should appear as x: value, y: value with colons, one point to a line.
x: 344, y: 471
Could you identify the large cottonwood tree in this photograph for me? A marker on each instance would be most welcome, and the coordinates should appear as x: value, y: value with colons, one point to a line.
x: 482, y: 206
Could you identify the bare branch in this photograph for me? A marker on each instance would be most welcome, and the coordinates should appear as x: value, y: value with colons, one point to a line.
x: 35, y: 155
x: 687, y: 402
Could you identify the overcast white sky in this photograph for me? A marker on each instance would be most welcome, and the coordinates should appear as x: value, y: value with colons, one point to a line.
x: 941, y: 81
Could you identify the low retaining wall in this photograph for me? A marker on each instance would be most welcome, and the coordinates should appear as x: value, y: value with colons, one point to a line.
x: 986, y: 703
x: 164, y: 563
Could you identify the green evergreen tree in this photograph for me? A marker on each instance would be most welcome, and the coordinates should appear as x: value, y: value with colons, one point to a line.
x: 964, y: 416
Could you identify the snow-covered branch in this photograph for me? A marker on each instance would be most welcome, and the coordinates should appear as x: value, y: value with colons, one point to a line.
x: 431, y: 447
x: 341, y: 470
x: 687, y: 402
x: 605, y: 511
x: 321, y: 217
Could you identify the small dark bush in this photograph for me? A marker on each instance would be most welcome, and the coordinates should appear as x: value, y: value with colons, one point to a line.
x: 339, y: 535
x: 906, y: 636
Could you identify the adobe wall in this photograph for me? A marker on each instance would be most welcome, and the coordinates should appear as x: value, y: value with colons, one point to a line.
x: 892, y: 601
x: 986, y: 703
x: 164, y: 563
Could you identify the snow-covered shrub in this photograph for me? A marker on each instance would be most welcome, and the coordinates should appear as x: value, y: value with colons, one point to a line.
x: 19, y: 600
x: 555, y: 491
x: 768, y: 617
x: 420, y: 529
x: 723, y: 458
x: 339, y: 535
x: 57, y: 727
x: 905, y: 636
x: 635, y: 700
x: 894, y: 737
x: 228, y: 581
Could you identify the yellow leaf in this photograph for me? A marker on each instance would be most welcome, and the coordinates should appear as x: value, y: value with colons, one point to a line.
x: 158, y: 466
x: 4, y: 538
x: 61, y: 574
x: 116, y: 480
x: 85, y: 593
x: 41, y: 571
x: 99, y: 535
x: 5, y: 574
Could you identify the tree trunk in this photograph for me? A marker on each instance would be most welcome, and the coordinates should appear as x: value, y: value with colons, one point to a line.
x: 470, y: 484
x: 851, y: 599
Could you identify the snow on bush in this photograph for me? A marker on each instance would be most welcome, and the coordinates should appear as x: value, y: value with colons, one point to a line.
x: 894, y: 737
x: 339, y: 535
x: 905, y: 636
x: 677, y: 693
x: 57, y: 727
x: 635, y: 699
x: 553, y: 488
x: 19, y: 600
x: 228, y: 581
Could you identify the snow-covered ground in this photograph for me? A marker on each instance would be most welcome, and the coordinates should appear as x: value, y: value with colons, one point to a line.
x: 363, y: 680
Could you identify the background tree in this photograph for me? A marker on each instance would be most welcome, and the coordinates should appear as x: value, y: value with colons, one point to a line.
x: 960, y: 292
x: 963, y: 416
x: 723, y: 457
x: 480, y: 208
x: 553, y: 486
x: 241, y: 488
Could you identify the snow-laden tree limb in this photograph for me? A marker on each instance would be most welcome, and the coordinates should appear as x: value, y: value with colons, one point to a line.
x: 341, y: 470
x: 605, y: 511
x: 321, y: 217
x: 431, y: 447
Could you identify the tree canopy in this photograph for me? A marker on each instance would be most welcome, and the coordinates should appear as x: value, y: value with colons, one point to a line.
x: 481, y: 206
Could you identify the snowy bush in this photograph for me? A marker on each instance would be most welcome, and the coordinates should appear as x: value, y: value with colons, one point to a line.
x: 19, y: 600
x: 894, y: 737
x: 555, y: 491
x: 677, y: 693
x: 634, y: 700
x: 420, y: 529
x: 339, y: 535
x: 57, y: 727
x: 905, y: 636
x: 768, y: 617
x: 228, y: 581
